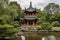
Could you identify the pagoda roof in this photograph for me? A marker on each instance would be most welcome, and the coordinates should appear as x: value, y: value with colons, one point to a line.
x: 30, y: 17
x: 30, y: 9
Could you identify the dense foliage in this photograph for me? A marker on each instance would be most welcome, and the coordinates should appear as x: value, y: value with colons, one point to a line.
x: 8, y: 14
x: 52, y: 8
x: 49, y: 17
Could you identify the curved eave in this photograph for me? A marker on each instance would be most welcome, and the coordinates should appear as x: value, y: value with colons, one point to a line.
x: 21, y: 18
x: 30, y: 11
x: 39, y: 18
x: 30, y: 18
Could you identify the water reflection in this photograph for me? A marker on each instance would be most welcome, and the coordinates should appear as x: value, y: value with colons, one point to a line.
x: 51, y: 37
x: 22, y: 37
x: 44, y: 38
x: 40, y: 36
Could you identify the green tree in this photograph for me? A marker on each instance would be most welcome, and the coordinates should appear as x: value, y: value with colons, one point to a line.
x: 46, y: 26
x: 7, y: 16
x: 55, y: 24
x: 7, y: 30
x: 55, y: 17
x: 52, y: 8
x: 42, y: 16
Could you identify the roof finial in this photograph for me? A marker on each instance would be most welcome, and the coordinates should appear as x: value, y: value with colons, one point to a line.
x: 25, y: 8
x: 35, y: 8
x: 30, y: 4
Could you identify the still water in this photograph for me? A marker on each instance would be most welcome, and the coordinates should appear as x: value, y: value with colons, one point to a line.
x: 41, y: 36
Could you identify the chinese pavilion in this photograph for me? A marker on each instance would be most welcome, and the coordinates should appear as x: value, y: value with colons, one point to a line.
x: 30, y: 19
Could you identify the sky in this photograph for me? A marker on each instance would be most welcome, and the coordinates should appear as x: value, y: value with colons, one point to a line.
x: 39, y: 4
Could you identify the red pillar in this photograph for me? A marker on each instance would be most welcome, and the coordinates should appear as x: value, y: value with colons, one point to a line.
x: 27, y: 23
x: 33, y: 23
x: 33, y: 14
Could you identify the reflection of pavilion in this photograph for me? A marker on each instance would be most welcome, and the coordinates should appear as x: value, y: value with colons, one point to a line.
x: 30, y: 19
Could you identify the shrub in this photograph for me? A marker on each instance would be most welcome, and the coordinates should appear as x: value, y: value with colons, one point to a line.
x: 39, y: 27
x: 55, y: 24
x: 46, y: 26
x: 7, y: 30
x: 56, y: 28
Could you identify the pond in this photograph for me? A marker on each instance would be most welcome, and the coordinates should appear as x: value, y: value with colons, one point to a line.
x: 41, y: 36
